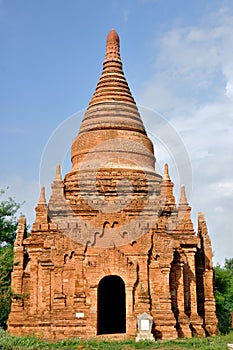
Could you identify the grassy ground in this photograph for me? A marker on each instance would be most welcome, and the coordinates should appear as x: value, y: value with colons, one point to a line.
x: 8, y: 342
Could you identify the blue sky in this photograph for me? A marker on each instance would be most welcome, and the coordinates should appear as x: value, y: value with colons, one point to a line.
x: 178, y: 60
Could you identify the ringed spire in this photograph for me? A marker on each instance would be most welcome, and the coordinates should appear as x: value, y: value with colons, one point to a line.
x: 112, y: 85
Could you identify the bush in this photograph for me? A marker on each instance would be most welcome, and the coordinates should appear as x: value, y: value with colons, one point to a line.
x: 224, y: 295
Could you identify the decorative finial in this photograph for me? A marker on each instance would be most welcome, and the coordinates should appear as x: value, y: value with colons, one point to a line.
x: 58, y: 173
x: 183, y: 198
x: 112, y: 86
x: 42, y: 199
x: 113, y: 37
x: 201, y: 216
x: 112, y: 47
x: 42, y: 209
x: 166, y: 176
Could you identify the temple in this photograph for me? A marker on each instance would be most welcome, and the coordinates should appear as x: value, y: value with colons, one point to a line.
x: 112, y: 243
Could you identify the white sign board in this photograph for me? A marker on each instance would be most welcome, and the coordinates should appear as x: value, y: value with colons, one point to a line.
x: 145, y: 325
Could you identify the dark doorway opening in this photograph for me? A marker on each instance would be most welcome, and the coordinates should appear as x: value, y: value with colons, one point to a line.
x: 111, y: 306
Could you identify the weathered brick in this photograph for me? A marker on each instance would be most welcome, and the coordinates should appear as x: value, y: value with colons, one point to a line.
x: 112, y: 228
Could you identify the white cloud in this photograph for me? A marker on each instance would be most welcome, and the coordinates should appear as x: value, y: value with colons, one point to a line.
x: 192, y: 86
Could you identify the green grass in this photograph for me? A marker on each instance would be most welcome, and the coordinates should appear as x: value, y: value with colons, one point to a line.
x: 8, y: 342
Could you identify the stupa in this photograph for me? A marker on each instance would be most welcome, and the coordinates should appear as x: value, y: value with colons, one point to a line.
x: 112, y: 244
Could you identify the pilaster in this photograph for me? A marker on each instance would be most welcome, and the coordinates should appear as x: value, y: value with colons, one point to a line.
x: 164, y: 319
x: 196, y: 322
x: 183, y: 319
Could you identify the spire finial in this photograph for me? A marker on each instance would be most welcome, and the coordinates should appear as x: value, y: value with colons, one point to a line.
x: 112, y: 47
x: 42, y: 209
x: 201, y: 216
x: 58, y: 173
x: 112, y: 86
x: 183, y: 198
x: 166, y: 176
x: 42, y: 199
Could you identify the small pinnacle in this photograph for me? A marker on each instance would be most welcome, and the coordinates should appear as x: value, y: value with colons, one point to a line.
x: 166, y: 173
x: 201, y: 215
x: 22, y: 220
x: 183, y: 198
x: 42, y: 199
x: 58, y: 173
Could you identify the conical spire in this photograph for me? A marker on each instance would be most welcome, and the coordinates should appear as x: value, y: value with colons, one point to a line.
x: 112, y: 111
x: 168, y: 200
x: 41, y: 209
x: 183, y: 198
x: 185, y: 224
x: 112, y: 85
x: 42, y: 199
x: 57, y: 203
x: 166, y: 176
x: 57, y: 187
x: 58, y: 173
x: 111, y: 144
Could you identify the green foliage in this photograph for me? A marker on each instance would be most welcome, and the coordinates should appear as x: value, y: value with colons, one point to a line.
x: 8, y: 342
x: 8, y: 224
x: 6, y: 263
x: 8, y: 220
x: 224, y: 294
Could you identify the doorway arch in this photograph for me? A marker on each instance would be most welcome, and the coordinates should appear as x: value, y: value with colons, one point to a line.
x: 111, y: 314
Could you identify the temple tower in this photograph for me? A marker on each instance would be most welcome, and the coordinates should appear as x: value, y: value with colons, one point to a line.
x: 111, y: 244
x: 112, y: 157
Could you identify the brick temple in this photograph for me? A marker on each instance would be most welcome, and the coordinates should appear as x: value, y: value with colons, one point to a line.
x: 112, y: 243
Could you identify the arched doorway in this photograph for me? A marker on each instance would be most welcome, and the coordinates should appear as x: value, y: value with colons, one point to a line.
x: 111, y: 316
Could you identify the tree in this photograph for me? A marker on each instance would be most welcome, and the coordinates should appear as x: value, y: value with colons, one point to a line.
x: 224, y: 294
x: 8, y: 220
x: 8, y: 225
